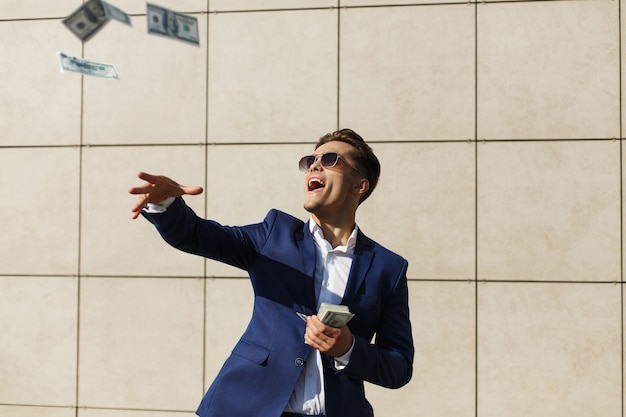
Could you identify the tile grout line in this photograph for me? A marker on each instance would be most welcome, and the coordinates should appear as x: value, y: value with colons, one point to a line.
x: 621, y: 204
x: 206, y: 200
x: 80, y: 214
x: 338, y: 97
x: 475, y: 210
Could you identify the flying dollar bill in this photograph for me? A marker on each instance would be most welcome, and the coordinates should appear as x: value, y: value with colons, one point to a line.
x: 92, y: 16
x: 334, y: 315
x: 91, y: 68
x: 162, y: 21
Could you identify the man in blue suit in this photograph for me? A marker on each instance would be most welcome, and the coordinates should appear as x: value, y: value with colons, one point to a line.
x: 288, y: 362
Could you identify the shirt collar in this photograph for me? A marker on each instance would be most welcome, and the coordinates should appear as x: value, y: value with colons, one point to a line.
x: 318, y: 235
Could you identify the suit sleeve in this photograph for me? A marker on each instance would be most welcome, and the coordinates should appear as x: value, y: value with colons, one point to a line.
x: 388, y: 361
x: 180, y: 227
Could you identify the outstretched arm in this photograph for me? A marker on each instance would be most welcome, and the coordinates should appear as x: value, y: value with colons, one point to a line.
x: 158, y: 188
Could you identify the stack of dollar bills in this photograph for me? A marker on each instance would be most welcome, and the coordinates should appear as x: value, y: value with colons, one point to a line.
x: 334, y: 315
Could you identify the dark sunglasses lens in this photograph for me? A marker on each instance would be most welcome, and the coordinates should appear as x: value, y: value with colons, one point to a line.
x: 306, y: 162
x: 329, y: 159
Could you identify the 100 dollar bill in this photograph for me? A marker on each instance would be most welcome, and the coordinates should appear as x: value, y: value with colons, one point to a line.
x: 165, y: 22
x: 91, y: 68
x: 92, y: 16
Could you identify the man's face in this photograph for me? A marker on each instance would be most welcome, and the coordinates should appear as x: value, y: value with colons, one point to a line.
x: 327, y: 191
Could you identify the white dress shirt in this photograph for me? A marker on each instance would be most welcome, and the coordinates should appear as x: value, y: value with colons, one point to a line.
x: 332, y: 267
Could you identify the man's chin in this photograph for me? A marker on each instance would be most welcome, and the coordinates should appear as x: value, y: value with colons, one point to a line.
x: 310, y: 206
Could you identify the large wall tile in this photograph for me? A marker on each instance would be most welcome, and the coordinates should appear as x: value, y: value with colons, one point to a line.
x: 161, y: 94
x: 227, y: 318
x: 38, y: 349
x: 244, y: 182
x: 548, y: 70
x: 39, y: 211
x: 40, y: 105
x: 407, y: 72
x: 549, y: 349
x: 443, y: 384
x: 114, y: 244
x: 423, y: 207
x: 141, y: 343
x: 549, y: 211
x: 272, y: 76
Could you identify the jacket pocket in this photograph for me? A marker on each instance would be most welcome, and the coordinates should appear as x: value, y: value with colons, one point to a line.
x: 252, y: 352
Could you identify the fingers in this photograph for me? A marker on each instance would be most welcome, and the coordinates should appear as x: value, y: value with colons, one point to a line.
x: 318, y: 335
x: 163, y: 187
x: 148, y: 177
x: 193, y: 190
x: 141, y: 190
x: 156, y: 189
x: 141, y: 203
x: 151, y: 181
x: 329, y: 340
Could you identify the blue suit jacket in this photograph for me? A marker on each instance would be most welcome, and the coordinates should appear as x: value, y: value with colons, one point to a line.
x: 279, y: 255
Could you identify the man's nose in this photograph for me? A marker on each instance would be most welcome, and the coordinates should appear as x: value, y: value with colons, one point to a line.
x: 317, y: 164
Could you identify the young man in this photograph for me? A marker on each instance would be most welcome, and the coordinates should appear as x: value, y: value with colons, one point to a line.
x: 288, y: 362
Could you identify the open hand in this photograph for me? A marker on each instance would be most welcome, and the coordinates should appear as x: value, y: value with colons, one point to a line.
x: 158, y: 188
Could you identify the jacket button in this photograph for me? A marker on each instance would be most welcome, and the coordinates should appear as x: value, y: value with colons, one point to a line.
x: 299, y: 362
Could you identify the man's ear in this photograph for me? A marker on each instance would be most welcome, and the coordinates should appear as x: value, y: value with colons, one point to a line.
x: 362, y: 186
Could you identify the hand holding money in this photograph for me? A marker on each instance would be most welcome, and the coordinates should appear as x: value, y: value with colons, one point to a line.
x: 332, y: 315
x: 323, y: 336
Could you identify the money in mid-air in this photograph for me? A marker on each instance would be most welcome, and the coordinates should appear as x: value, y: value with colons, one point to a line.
x: 92, y: 16
x: 91, y: 68
x: 162, y: 21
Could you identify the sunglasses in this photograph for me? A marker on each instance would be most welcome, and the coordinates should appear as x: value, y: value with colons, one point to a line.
x: 327, y: 160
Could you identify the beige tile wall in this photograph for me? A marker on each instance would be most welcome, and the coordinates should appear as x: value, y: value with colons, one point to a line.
x: 40, y: 106
x: 422, y: 87
x: 498, y: 125
x: 277, y: 77
x: 547, y: 70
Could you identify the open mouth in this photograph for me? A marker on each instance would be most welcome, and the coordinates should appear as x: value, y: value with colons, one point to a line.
x: 315, y: 184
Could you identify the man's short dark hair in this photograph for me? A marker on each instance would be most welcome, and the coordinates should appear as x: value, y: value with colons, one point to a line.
x: 362, y: 156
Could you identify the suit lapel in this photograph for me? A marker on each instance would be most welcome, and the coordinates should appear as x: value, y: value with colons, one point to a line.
x: 363, y: 257
x: 306, y: 246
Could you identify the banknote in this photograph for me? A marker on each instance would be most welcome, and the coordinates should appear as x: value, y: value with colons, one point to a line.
x: 334, y: 315
x: 166, y: 22
x: 116, y: 14
x: 91, y: 68
x: 88, y: 19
